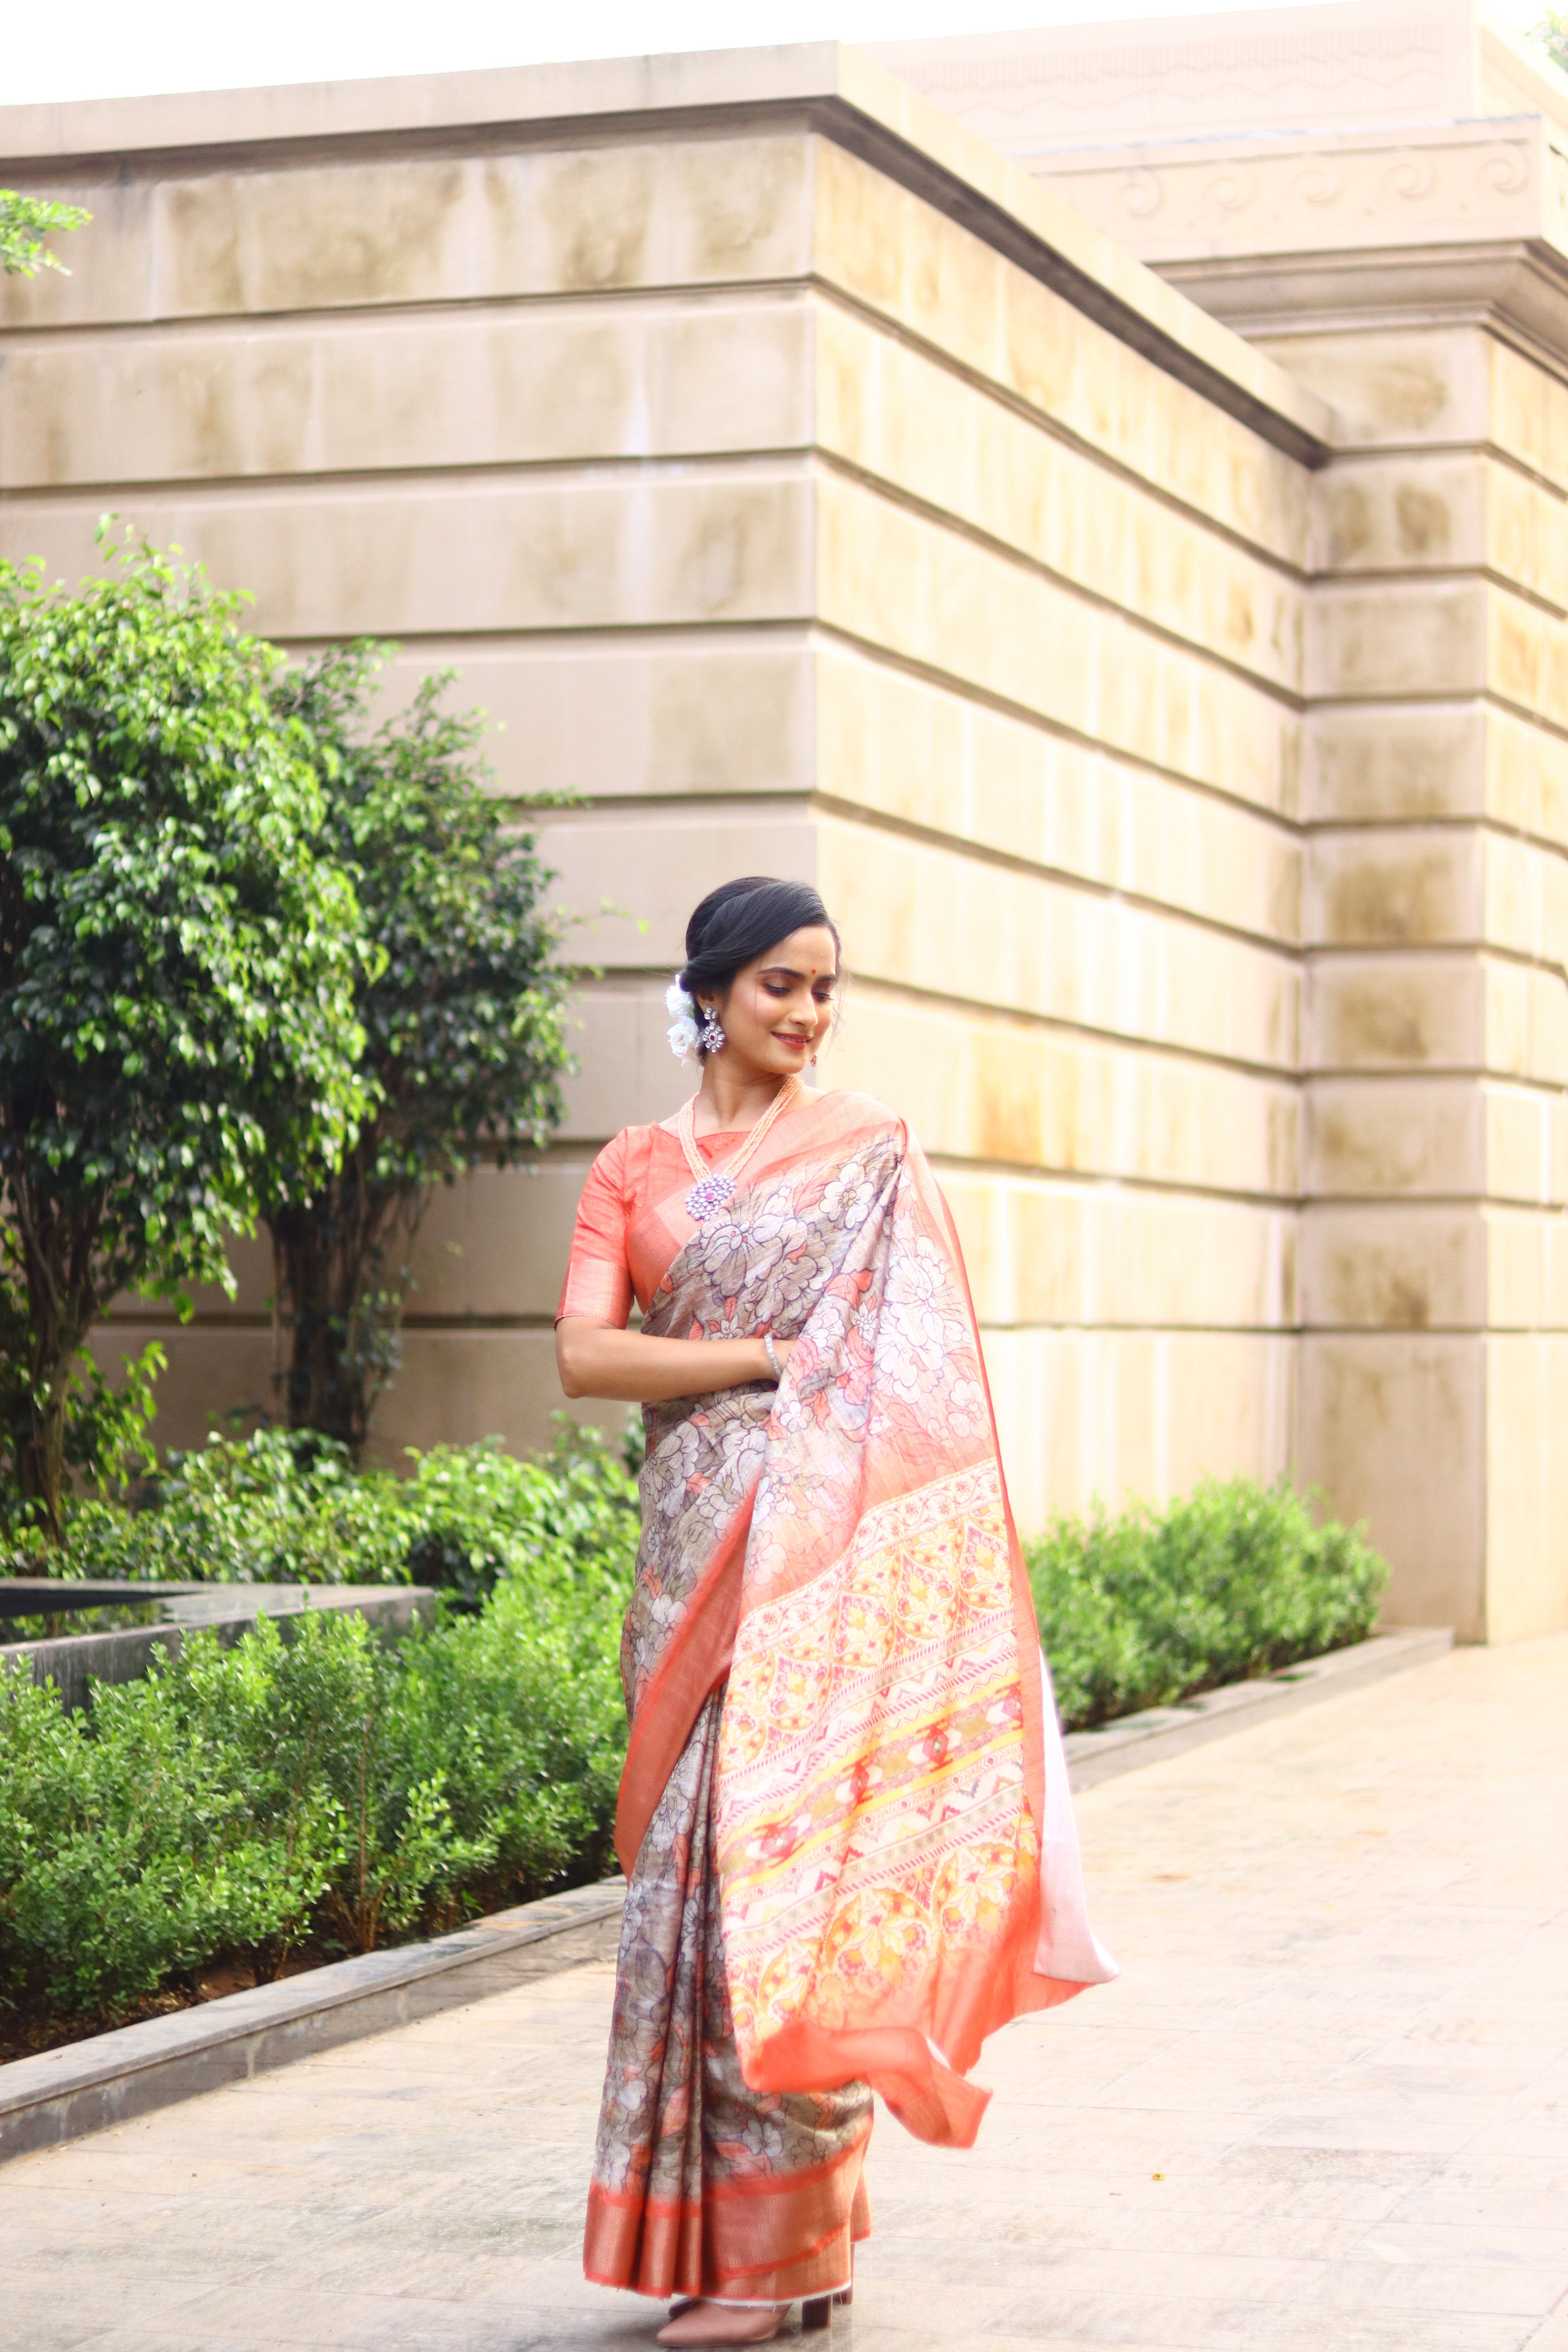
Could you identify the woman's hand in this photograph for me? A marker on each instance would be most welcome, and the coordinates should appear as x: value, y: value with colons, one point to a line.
x: 600, y: 1360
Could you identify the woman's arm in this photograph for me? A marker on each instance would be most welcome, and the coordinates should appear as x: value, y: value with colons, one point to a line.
x: 599, y: 1359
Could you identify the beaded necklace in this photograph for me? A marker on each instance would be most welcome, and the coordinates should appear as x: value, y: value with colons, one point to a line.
x: 714, y: 1186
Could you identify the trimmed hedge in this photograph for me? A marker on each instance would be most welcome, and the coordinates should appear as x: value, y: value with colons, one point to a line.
x: 331, y: 1791
x: 281, y: 1506
x: 1235, y: 1579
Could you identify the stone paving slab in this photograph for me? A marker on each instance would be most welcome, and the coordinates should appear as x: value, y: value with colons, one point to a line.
x: 81, y: 2088
x: 1324, y: 2109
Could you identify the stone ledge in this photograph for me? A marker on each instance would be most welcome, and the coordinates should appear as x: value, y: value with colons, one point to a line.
x: 230, y: 1610
x: 66, y: 2094
x: 1137, y: 1739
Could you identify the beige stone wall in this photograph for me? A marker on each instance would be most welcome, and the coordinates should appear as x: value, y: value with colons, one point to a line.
x: 1438, y: 908
x: 805, y: 488
x: 775, y: 513
x: 1415, y: 275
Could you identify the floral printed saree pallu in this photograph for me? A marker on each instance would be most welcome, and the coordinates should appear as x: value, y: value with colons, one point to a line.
x: 843, y: 1816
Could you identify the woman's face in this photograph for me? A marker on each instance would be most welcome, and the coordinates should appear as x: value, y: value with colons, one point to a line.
x: 779, y: 1010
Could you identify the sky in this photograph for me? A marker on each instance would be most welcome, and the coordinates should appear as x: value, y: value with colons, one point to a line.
x: 107, y: 48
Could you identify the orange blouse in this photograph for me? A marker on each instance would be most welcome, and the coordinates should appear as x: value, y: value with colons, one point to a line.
x: 614, y: 1241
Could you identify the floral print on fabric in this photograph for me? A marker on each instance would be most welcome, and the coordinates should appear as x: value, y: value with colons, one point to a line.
x: 690, y: 2160
x: 832, y: 1808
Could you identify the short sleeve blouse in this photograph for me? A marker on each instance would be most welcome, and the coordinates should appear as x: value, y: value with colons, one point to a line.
x: 618, y: 1254
x: 598, y: 1273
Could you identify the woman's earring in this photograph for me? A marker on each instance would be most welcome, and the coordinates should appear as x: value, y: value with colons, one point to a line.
x: 711, y: 1036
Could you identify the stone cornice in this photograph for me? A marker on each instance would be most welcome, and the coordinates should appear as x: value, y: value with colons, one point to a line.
x: 1317, y: 192
x: 1454, y: 220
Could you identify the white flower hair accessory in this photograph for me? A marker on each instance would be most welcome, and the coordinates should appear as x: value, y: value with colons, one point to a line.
x: 682, y: 1010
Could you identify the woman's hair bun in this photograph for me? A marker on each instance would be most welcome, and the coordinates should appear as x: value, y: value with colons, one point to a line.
x: 741, y: 920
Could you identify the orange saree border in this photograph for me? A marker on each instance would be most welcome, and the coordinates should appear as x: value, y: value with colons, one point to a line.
x: 696, y: 1658
x: 769, y: 2240
x: 915, y: 2036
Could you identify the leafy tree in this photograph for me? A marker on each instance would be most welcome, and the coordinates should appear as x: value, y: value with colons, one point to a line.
x: 177, y: 963
x: 462, y: 1011
x: 1552, y: 32
x: 24, y: 222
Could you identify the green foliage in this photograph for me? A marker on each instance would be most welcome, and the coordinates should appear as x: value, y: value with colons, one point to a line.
x: 1232, y: 1580
x: 24, y: 222
x: 1552, y: 32
x: 462, y: 1007
x: 282, y: 1507
x: 177, y: 960
x: 106, y: 1440
x: 333, y: 1789
x: 328, y: 1786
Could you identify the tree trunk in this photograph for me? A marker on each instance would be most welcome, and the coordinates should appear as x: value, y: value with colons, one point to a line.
x: 341, y: 1275
x: 55, y: 1256
x: 41, y: 1452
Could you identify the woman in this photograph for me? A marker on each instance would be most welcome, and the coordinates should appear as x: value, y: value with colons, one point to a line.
x: 843, y: 1816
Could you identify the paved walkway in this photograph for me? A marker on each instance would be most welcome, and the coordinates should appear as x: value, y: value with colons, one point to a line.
x: 1325, y: 2108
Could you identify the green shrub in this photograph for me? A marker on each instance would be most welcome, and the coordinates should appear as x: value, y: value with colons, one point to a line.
x: 329, y: 1785
x: 335, y: 1789
x: 285, y: 1508
x: 1232, y: 1580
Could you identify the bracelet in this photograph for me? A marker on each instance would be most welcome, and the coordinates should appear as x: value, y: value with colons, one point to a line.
x: 772, y: 1355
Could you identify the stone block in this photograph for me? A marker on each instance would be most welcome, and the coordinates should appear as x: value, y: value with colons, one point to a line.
x: 1388, y: 763
x: 1526, y: 773
x: 1395, y: 1012
x: 456, y: 1387
x: 1525, y: 1137
x: 627, y: 1075
x: 1394, y: 1267
x: 1526, y: 897
x: 1526, y: 1022
x: 493, y: 1246
x: 1526, y: 656
x: 1411, y: 886
x: 1528, y: 411
x: 1032, y: 945
x: 1393, y: 1427
x: 1527, y: 1484
x: 1102, y: 1255
x: 1116, y: 1417
x: 579, y: 218
x: 632, y: 878
x: 1527, y: 1268
x: 977, y: 1088
x: 1526, y: 534
x: 215, y: 1370
x: 1398, y: 386
x: 1409, y: 513
x: 1432, y: 638
x: 701, y: 717
x: 442, y: 558
x: 352, y: 392
x: 1401, y: 1136
x: 913, y: 749
x: 250, y: 1262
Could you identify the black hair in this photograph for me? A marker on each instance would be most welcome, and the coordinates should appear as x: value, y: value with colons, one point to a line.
x: 741, y: 920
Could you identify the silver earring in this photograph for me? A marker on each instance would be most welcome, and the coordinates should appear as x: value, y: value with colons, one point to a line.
x: 711, y: 1036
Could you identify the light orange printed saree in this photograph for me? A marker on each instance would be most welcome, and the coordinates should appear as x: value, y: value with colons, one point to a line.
x: 844, y: 1815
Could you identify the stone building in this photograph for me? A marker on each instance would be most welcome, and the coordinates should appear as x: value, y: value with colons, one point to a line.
x: 1094, y: 502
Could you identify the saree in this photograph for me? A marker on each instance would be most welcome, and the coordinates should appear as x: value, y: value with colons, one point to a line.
x: 843, y: 1816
